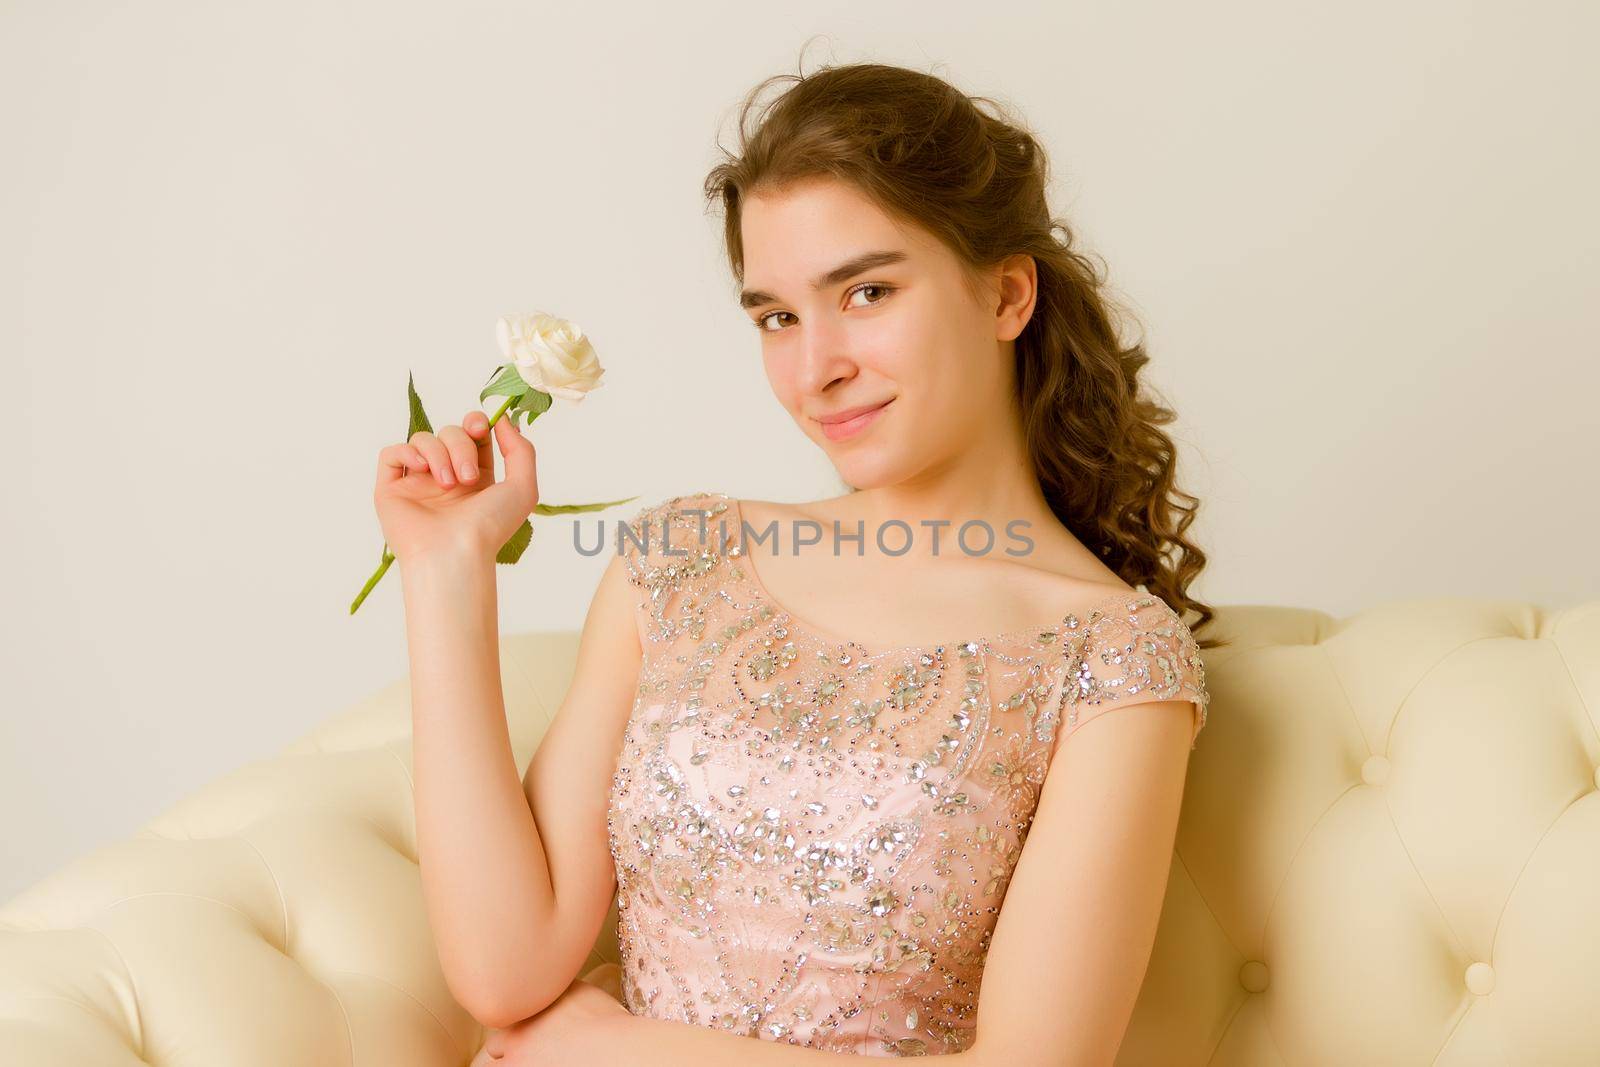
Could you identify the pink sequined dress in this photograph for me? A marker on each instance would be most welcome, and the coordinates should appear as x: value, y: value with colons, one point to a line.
x: 813, y: 839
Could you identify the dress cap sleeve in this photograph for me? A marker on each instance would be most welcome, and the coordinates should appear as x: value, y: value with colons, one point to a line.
x: 667, y: 548
x: 1138, y: 652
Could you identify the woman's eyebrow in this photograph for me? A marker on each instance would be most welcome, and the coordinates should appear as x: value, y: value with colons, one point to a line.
x: 750, y: 298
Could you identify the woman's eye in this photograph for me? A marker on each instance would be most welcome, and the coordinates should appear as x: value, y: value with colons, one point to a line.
x: 872, y: 285
x: 761, y: 323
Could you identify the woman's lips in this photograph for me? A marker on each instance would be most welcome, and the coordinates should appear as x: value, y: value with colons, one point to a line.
x: 839, y: 431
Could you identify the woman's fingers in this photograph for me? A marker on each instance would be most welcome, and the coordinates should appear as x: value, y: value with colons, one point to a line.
x: 458, y: 454
x: 438, y: 457
x: 476, y: 423
x: 463, y: 453
x: 521, y: 466
x: 495, y: 1042
x: 395, y: 460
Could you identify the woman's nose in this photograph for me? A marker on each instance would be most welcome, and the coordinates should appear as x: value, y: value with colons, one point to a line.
x: 824, y: 359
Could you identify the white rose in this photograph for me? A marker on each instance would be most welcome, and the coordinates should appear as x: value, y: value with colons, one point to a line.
x: 550, y: 354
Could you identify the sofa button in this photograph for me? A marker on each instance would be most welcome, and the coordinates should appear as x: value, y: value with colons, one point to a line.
x: 1480, y: 979
x: 1253, y: 976
x: 1375, y: 771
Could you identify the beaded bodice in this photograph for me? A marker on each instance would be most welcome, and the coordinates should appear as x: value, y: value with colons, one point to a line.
x: 812, y: 839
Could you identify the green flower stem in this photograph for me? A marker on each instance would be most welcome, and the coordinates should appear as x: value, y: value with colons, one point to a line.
x: 388, y: 557
x: 509, y: 401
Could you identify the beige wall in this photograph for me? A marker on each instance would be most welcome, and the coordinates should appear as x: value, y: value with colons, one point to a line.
x: 1362, y: 239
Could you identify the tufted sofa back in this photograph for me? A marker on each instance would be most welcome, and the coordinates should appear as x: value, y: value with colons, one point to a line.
x: 1389, y: 854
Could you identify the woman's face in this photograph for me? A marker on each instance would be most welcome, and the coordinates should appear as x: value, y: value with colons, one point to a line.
x: 856, y: 310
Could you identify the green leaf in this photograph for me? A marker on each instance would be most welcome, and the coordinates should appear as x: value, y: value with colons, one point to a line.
x: 533, y: 403
x: 506, y: 382
x: 525, y: 399
x: 419, y: 418
x: 512, y: 550
x: 567, y: 509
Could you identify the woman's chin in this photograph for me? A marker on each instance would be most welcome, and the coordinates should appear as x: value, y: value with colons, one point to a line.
x: 870, y: 468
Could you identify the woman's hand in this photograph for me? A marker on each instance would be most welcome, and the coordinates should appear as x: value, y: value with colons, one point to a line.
x: 437, y: 491
x: 570, y: 1030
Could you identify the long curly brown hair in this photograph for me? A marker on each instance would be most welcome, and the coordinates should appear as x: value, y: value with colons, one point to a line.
x: 964, y: 170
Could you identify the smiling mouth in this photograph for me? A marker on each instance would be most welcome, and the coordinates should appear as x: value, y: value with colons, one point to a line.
x: 839, y: 431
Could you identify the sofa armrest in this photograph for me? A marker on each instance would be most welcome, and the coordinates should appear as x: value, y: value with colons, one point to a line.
x: 273, y: 917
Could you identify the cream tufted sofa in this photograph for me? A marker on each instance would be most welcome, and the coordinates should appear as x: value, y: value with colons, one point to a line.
x: 1389, y: 854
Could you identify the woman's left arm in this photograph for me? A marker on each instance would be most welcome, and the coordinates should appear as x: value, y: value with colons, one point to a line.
x: 639, y: 1039
x: 587, y: 1025
x: 1075, y: 933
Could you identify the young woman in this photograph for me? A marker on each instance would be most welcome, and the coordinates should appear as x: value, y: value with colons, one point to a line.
x: 807, y: 775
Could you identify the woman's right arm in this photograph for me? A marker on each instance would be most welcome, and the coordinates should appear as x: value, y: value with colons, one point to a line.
x: 516, y: 875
